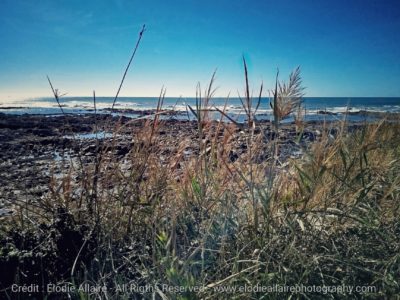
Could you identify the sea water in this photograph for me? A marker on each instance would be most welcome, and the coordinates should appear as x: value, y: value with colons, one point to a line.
x: 131, y: 106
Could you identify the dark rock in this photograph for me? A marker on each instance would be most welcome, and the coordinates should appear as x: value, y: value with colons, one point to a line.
x: 122, y: 150
x: 325, y: 112
x: 233, y: 156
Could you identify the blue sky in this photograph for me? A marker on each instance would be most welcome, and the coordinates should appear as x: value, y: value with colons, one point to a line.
x: 345, y: 48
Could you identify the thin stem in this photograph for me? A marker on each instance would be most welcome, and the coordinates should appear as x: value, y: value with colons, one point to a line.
x: 127, y: 67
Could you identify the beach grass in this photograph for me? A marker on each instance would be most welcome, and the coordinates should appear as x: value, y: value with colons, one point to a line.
x: 216, y: 221
x: 217, y: 224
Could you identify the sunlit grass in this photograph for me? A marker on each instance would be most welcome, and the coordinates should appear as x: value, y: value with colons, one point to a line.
x: 218, y: 217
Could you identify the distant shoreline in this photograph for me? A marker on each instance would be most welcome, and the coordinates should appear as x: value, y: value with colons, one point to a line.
x: 320, y: 115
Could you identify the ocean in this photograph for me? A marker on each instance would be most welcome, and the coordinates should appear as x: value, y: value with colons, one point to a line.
x: 130, y: 106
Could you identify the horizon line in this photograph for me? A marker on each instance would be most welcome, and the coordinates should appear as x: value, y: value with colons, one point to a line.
x: 183, y: 97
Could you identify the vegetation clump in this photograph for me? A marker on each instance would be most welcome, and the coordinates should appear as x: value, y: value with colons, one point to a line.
x: 218, y: 218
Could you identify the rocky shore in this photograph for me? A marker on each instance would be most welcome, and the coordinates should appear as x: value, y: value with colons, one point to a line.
x: 42, y: 182
x: 33, y: 148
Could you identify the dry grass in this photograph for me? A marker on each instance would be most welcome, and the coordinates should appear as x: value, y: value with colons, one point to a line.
x: 213, y: 219
x: 287, y: 96
x: 214, y: 222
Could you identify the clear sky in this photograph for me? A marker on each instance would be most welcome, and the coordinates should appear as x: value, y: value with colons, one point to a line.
x: 345, y: 48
